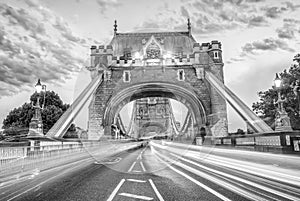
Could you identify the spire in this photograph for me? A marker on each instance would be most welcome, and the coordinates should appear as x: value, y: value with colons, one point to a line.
x: 189, y: 26
x: 115, y: 27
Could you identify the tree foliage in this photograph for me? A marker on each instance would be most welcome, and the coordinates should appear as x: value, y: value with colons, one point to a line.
x: 19, y: 118
x: 72, y: 132
x: 266, y: 107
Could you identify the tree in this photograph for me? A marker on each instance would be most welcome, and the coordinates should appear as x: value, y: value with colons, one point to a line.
x: 19, y: 118
x: 266, y: 108
x: 71, y: 132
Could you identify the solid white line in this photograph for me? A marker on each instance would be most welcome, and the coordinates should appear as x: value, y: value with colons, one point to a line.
x: 156, y: 191
x: 193, y: 180
x: 136, y: 171
x: 141, y: 197
x: 216, y: 180
x: 113, y: 194
x: 143, y: 167
x: 131, y: 167
x: 275, y: 192
x: 136, y: 180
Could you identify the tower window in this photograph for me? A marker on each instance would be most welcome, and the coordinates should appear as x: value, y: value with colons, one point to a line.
x: 180, y: 75
x: 126, y: 76
x: 216, y: 55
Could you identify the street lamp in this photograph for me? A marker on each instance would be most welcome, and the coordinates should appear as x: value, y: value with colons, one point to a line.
x: 36, y: 123
x: 282, y: 120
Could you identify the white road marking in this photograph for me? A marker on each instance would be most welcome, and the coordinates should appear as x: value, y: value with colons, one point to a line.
x: 38, y: 195
x: 136, y: 171
x: 116, y: 160
x: 113, y: 194
x: 141, y: 197
x: 220, y: 182
x: 265, y: 171
x: 222, y: 197
x: 136, y: 180
x: 142, y: 165
x: 156, y: 191
x: 240, y: 179
x: 131, y: 167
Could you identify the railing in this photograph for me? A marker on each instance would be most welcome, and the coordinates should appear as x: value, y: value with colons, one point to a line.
x: 274, y: 141
x: 20, y: 160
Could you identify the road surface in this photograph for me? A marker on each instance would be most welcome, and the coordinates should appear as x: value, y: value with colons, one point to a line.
x: 163, y: 171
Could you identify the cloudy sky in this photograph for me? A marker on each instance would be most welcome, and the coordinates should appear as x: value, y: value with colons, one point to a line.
x: 50, y: 40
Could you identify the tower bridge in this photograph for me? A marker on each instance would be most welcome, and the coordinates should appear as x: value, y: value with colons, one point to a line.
x: 149, y: 69
x: 165, y: 65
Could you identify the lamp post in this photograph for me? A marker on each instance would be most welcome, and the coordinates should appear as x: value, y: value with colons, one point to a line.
x: 36, y: 124
x: 282, y: 120
x: 296, y: 90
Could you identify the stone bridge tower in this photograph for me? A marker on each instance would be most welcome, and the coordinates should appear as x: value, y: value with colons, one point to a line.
x: 152, y: 115
x: 157, y: 64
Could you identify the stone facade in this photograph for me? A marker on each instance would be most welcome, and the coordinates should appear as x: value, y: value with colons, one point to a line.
x: 162, y: 64
x: 152, y: 115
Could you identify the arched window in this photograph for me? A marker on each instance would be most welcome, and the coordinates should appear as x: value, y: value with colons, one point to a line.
x: 180, y: 75
x: 216, y: 55
x: 126, y: 76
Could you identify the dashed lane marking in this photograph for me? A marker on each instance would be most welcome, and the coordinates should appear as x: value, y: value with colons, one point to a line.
x: 141, y: 197
x: 142, y: 165
x: 136, y: 171
x: 131, y: 167
x: 110, y: 161
x: 113, y: 194
x: 136, y: 180
x: 156, y: 191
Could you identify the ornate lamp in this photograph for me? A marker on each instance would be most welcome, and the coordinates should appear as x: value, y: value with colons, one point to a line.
x: 36, y: 124
x: 282, y: 120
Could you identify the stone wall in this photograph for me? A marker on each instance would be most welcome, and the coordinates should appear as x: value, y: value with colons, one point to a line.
x: 213, y: 106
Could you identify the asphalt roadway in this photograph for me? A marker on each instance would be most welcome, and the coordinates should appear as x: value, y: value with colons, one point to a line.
x: 165, y: 171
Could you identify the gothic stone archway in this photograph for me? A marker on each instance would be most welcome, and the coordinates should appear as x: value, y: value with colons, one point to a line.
x: 136, y: 65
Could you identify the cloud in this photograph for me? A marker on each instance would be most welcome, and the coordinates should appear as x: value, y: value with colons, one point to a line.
x: 275, y: 12
x: 291, y: 21
x: 23, y: 18
x: 220, y: 16
x: 106, y: 4
x: 65, y: 30
x: 285, y: 33
x: 36, y: 43
x: 268, y: 44
x: 278, y: 11
x: 184, y: 12
x: 257, y: 21
x: 32, y: 3
x: 289, y: 28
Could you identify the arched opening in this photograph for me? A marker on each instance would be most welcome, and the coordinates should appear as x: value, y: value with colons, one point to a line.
x: 146, y: 90
x: 153, y: 116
